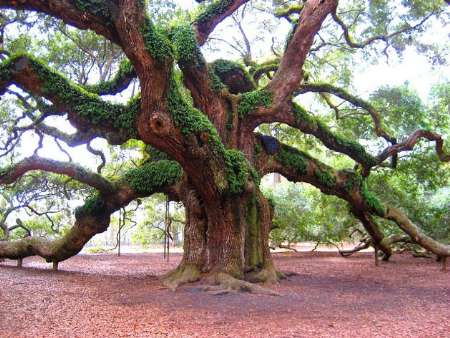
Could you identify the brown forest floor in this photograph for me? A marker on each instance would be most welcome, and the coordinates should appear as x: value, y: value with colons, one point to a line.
x: 112, y: 296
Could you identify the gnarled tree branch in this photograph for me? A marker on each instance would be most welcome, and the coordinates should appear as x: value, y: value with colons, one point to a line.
x: 289, y: 74
x: 214, y: 14
x: 11, y: 174
x: 95, y: 15
x: 94, y: 216
x: 87, y: 111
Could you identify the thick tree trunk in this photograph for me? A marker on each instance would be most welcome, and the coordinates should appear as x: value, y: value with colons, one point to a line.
x: 226, y: 236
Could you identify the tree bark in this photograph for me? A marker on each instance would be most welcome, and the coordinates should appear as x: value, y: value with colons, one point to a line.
x: 226, y: 236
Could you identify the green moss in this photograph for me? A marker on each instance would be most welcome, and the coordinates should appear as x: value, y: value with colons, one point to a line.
x: 156, y: 154
x: 237, y: 170
x: 153, y: 176
x: 5, y: 70
x: 222, y: 67
x: 156, y: 41
x: 286, y: 11
x: 107, y: 87
x: 372, y: 201
x: 216, y: 83
x: 325, y: 178
x: 294, y: 159
x: 355, y: 150
x: 228, y: 72
x: 93, y: 206
x: 255, y: 176
x: 191, y: 120
x: 216, y: 8
x: 185, y: 44
x: 302, y: 115
x: 252, y: 100
x: 310, y: 124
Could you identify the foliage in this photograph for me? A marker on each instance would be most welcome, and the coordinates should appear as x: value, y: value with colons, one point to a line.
x: 304, y: 214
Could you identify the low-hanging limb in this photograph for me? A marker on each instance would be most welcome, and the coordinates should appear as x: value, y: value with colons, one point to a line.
x: 94, y: 216
x: 298, y: 166
x: 416, y: 234
x: 10, y: 174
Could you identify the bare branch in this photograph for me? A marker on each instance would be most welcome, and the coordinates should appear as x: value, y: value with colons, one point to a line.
x: 385, y: 38
x: 411, y: 141
x: 11, y: 174
x: 289, y: 74
x: 358, y: 102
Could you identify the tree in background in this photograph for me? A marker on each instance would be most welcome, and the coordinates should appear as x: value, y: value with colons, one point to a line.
x: 199, y: 127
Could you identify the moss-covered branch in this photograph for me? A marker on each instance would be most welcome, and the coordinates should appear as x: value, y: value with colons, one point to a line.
x: 93, y: 216
x: 309, y: 124
x: 113, y: 121
x: 298, y: 166
x: 118, y: 83
x: 212, y: 15
x: 380, y: 129
x: 83, y: 14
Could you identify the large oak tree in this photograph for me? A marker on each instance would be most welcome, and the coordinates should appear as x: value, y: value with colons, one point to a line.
x: 202, y: 131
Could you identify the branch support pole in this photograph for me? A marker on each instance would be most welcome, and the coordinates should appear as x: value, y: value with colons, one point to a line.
x: 444, y: 263
x: 377, y: 263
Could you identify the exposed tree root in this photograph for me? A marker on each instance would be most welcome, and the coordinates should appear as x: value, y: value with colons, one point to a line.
x: 224, y: 283
x: 184, y: 273
x: 220, y: 283
x: 267, y: 275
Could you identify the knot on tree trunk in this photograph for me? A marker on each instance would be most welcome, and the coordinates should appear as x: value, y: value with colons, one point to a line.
x: 160, y: 124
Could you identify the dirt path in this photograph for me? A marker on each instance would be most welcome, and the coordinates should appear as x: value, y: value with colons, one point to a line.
x: 111, y: 296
